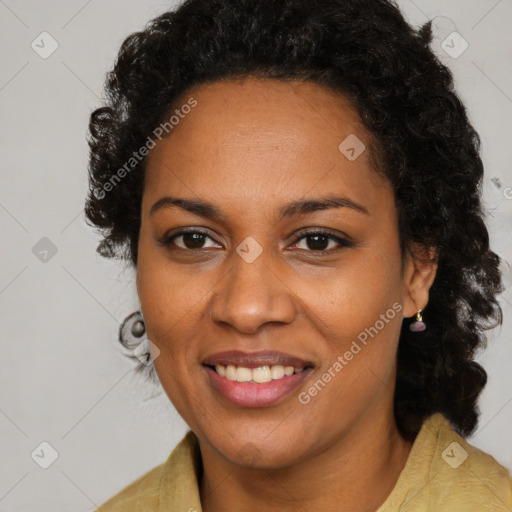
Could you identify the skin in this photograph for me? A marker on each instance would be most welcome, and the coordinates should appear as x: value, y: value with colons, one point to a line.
x: 249, y: 147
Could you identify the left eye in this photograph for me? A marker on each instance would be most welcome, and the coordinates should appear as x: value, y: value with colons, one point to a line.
x: 319, y: 241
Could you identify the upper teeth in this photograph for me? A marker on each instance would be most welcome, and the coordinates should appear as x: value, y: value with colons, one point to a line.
x: 261, y: 374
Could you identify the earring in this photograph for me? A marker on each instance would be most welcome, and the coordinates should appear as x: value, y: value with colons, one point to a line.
x: 132, y: 330
x: 418, y: 325
x: 138, y: 327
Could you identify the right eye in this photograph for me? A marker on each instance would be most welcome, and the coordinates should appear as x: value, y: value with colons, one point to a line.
x: 192, y: 240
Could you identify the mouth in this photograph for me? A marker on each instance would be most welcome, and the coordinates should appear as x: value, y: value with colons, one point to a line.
x: 259, y: 367
x: 257, y: 379
x: 258, y: 375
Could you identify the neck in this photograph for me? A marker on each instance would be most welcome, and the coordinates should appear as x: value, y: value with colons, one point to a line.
x: 358, y: 472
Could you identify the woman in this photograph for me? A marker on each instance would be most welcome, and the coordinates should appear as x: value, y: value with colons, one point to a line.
x: 298, y: 187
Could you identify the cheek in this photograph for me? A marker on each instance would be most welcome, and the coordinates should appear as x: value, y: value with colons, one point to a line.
x: 361, y: 326
x: 165, y: 303
x: 359, y: 312
x: 171, y: 296
x: 365, y: 291
x: 171, y: 305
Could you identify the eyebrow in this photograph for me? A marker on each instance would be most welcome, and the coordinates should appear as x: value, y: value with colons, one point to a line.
x: 294, y: 208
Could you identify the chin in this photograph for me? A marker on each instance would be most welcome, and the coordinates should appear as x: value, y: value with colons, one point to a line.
x: 261, y: 453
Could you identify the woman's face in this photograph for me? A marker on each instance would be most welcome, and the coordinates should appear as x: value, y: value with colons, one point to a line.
x: 255, y: 164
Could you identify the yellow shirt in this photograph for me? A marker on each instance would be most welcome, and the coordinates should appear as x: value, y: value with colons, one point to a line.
x: 443, y: 473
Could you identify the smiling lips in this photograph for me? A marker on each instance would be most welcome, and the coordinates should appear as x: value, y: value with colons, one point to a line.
x: 255, y: 379
x: 260, y: 367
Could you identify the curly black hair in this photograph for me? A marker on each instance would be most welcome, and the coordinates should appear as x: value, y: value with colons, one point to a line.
x: 365, y: 50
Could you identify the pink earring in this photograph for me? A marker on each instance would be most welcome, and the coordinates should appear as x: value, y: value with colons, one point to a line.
x: 418, y: 325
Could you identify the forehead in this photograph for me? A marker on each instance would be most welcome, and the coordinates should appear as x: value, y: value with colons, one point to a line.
x: 250, y: 138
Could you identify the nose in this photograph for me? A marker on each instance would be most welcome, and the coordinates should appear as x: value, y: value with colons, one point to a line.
x: 252, y: 295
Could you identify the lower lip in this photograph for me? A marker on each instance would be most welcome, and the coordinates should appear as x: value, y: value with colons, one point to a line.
x: 251, y: 394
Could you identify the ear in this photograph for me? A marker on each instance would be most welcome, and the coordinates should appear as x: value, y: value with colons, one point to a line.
x: 420, y: 269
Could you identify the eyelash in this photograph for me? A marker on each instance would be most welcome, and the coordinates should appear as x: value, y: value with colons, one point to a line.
x: 343, y: 243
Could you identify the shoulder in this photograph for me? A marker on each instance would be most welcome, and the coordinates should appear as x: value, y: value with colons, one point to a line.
x: 163, y: 487
x: 141, y: 494
x: 445, y: 473
x: 465, y: 476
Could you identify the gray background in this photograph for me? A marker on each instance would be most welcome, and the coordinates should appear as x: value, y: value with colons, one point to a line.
x: 62, y: 379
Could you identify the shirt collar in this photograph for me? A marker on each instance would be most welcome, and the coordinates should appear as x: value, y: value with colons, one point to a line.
x: 180, y: 479
x: 179, y: 484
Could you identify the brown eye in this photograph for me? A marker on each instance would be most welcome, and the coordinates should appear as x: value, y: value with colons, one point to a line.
x: 193, y: 240
x: 321, y: 242
x: 189, y: 240
x: 317, y: 242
